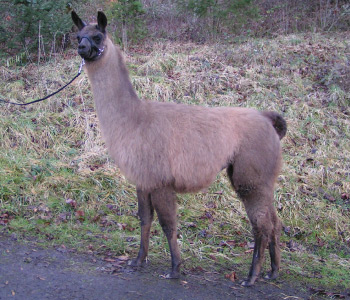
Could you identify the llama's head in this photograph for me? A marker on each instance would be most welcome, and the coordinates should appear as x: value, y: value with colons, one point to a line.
x: 91, y: 37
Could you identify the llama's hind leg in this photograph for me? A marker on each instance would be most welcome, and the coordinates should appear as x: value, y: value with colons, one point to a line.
x: 257, y: 197
x: 261, y: 214
x: 274, y: 247
x: 164, y: 202
x: 261, y: 236
x: 146, y: 213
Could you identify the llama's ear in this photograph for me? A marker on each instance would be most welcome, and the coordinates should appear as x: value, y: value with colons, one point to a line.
x: 77, y: 21
x: 101, y: 21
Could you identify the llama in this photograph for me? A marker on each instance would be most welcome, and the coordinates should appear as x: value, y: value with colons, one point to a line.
x: 168, y: 148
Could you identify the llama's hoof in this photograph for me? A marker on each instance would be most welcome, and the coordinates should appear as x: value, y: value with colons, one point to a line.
x: 134, y: 263
x: 173, y: 275
x: 247, y: 283
x: 271, y: 275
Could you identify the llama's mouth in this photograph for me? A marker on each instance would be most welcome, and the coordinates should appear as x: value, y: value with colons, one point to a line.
x: 88, y: 50
x: 88, y: 55
x: 92, y: 54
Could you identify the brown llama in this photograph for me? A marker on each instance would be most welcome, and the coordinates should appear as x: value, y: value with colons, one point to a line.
x: 168, y: 148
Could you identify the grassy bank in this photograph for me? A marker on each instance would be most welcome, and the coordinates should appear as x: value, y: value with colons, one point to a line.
x: 58, y: 184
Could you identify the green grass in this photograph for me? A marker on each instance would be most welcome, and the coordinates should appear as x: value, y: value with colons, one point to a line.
x: 52, y: 154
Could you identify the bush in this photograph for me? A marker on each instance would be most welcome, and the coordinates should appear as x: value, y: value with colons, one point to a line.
x: 32, y: 25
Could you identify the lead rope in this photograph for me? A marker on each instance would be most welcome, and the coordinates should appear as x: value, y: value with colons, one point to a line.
x: 54, y: 93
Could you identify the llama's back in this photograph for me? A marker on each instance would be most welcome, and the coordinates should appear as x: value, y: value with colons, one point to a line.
x: 185, y: 146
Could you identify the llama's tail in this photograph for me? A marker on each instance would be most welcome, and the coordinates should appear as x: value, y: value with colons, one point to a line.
x: 278, y: 122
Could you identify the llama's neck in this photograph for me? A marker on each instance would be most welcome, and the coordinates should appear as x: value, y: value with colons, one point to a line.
x: 115, y: 98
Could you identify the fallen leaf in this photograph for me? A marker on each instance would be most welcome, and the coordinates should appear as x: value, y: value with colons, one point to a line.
x: 112, y: 207
x: 207, y: 215
x: 197, y: 269
x: 109, y: 259
x: 96, y: 218
x: 63, y: 217
x: 131, y: 228
x: 250, y: 245
x: 62, y: 248
x: 242, y: 245
x: 219, y: 192
x: 123, y: 257
x: 345, y: 196
x: 27, y: 260
x: 294, y: 246
x: 326, y: 293
x: 154, y: 232
x: 329, y: 197
x: 79, y: 214
x: 71, y: 202
x: 320, y: 242
x: 121, y: 226
x: 203, y: 233
x: 191, y: 225
x: 211, y: 204
x: 232, y: 276
x: 230, y: 243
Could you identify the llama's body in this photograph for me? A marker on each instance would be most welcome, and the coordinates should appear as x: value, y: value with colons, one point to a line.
x: 156, y: 144
x: 165, y: 148
x: 183, y: 146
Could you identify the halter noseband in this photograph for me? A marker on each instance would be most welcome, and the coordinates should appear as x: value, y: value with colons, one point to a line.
x: 99, y: 51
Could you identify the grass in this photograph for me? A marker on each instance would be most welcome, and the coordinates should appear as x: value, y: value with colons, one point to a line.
x: 58, y: 184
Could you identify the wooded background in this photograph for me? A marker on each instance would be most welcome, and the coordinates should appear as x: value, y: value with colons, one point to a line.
x: 40, y: 27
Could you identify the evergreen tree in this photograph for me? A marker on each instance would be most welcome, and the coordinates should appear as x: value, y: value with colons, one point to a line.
x: 128, y: 14
x: 221, y: 14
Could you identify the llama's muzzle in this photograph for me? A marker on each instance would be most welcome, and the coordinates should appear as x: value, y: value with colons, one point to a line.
x: 87, y: 49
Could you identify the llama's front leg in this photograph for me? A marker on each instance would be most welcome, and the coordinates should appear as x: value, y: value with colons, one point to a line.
x: 146, y: 213
x: 164, y: 201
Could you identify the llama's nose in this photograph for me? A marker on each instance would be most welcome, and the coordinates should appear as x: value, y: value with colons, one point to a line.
x: 83, y: 48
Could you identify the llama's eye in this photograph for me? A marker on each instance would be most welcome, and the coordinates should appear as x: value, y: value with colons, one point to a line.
x: 79, y: 39
x: 97, y: 39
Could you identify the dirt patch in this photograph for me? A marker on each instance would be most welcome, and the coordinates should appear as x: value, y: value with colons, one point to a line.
x: 30, y: 272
